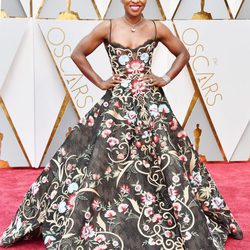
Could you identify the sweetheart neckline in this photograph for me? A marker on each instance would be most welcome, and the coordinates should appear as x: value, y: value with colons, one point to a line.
x: 116, y: 44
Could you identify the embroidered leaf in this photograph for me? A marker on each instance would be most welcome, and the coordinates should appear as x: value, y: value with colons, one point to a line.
x: 68, y: 235
x: 116, y: 115
x: 192, y: 162
x: 186, y: 195
x: 101, y: 223
x: 87, y: 190
x: 135, y: 205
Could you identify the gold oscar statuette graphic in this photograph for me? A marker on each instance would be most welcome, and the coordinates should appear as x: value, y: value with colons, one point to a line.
x: 68, y: 14
x: 3, y: 164
x: 197, y: 135
x: 202, y: 15
x: 3, y: 14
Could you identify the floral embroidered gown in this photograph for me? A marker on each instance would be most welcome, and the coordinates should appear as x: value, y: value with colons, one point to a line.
x: 127, y: 176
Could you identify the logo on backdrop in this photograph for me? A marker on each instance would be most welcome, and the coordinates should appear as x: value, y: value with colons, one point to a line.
x: 203, y: 67
x: 61, y: 51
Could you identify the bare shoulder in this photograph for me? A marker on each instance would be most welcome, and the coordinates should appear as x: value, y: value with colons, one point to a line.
x: 162, y: 30
x: 102, y: 29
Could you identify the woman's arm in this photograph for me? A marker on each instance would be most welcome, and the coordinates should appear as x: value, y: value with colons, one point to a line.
x: 85, y: 47
x: 176, y: 47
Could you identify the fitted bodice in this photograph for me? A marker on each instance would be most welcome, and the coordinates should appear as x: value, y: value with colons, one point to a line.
x: 131, y: 63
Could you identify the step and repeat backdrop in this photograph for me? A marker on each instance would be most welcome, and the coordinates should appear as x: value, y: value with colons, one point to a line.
x: 43, y: 94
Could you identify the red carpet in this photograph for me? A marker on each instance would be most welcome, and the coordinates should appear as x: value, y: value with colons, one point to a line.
x: 232, y: 180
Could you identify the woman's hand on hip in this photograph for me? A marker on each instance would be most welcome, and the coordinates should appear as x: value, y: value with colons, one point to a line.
x: 155, y: 80
x: 110, y: 82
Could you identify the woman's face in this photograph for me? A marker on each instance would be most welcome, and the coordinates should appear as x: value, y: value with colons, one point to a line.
x: 134, y: 7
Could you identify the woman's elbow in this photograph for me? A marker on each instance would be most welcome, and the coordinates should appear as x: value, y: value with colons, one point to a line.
x: 73, y: 55
x: 186, y: 56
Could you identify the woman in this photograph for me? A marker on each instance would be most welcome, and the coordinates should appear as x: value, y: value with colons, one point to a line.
x: 127, y: 176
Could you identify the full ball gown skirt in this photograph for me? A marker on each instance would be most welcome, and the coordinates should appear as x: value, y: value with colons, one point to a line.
x: 126, y: 177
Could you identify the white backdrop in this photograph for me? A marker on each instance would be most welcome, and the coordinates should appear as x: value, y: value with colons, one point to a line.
x: 43, y: 93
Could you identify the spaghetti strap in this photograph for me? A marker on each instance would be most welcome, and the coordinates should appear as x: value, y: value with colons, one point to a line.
x: 110, y: 30
x: 155, y: 29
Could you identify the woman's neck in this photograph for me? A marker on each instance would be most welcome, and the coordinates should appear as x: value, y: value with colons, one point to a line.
x: 133, y: 19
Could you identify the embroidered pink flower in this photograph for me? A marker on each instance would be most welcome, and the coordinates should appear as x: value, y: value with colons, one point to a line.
x: 233, y: 228
x: 156, y: 138
x: 146, y: 227
x: 183, y: 158
x: 96, y: 113
x: 122, y: 208
x: 130, y: 116
x: 148, y: 211
x: 112, y: 141
x: 177, y: 209
x: 157, y: 218
x: 148, y: 198
x: 177, y: 206
x: 54, y: 206
x: 99, y: 238
x: 83, y: 120
x: 106, y: 133
x: 137, y: 129
x: 110, y: 214
x: 133, y: 151
x: 138, y: 144
x: 163, y: 108
x: 69, y: 167
x: 125, y: 189
x: 135, y: 66
x: 117, y: 104
x: 48, y: 241
x: 173, y: 124
x: 137, y: 86
x: 108, y: 170
x: 128, y: 136
x: 96, y: 177
x: 90, y: 121
x: 71, y: 200
x: 87, y: 231
x: 168, y: 234
x: 95, y: 204
x: 172, y: 192
x: 170, y: 222
x: 120, y: 156
x: 182, y: 134
x: 101, y: 247
x: 109, y: 123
